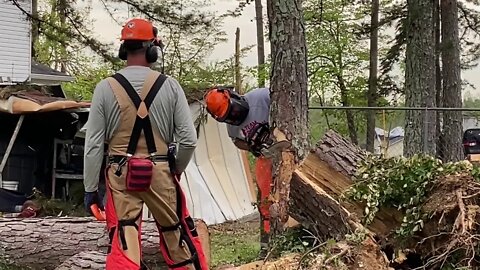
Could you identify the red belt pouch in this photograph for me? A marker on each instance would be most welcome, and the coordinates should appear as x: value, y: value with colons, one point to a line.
x: 139, y: 174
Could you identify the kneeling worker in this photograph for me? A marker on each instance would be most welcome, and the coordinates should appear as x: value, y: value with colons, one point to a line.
x: 137, y: 112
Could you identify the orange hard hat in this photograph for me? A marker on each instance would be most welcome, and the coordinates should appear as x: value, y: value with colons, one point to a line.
x: 217, y: 102
x: 138, y: 29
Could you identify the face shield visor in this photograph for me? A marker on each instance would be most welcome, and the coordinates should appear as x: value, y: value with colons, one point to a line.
x: 238, y: 109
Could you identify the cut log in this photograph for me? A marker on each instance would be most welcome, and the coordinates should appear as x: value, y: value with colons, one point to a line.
x: 93, y: 260
x: 44, y: 243
x: 319, y: 182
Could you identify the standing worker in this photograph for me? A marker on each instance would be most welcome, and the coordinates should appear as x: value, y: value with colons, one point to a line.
x: 247, y: 119
x: 141, y: 166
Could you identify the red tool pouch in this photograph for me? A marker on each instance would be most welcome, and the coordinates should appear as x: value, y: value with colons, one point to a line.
x: 139, y: 174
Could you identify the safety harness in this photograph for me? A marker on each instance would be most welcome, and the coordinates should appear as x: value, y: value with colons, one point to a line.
x: 142, y: 121
x: 185, y: 224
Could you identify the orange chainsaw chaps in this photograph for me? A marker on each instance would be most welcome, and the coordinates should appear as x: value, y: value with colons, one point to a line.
x: 116, y: 259
x: 191, y: 231
x: 263, y: 175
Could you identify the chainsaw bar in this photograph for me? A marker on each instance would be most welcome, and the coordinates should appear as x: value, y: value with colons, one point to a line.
x: 275, y: 148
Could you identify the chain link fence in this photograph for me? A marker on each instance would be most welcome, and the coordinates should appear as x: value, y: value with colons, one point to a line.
x: 447, y: 133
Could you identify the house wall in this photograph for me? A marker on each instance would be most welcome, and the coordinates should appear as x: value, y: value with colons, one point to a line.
x: 15, y: 40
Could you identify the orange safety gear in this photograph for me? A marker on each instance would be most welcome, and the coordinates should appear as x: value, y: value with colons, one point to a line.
x: 227, y: 106
x: 138, y: 29
x: 263, y: 175
x: 217, y: 103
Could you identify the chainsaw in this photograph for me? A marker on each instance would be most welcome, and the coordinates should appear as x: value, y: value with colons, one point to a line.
x: 97, y: 212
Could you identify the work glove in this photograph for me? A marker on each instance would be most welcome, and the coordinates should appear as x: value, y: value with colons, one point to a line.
x: 90, y: 199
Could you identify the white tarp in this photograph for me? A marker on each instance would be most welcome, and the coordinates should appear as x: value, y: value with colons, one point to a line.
x: 215, y: 180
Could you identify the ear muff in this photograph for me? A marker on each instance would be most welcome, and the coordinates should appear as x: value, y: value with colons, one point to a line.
x: 151, y: 53
x: 122, y: 52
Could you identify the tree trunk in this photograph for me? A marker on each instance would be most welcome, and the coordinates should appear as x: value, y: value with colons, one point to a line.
x: 260, y: 43
x: 317, y: 186
x: 289, y: 95
x: 452, y: 88
x: 84, y: 260
x: 438, y: 80
x: 62, y: 12
x: 420, y: 78
x: 238, y: 78
x: 372, y: 80
x: 35, y: 30
x: 352, y: 128
x: 44, y: 243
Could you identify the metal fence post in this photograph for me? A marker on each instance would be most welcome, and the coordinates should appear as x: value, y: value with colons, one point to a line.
x: 425, y: 131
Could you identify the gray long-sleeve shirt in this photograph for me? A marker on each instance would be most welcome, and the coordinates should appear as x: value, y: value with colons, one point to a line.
x: 169, y: 112
x: 259, y: 103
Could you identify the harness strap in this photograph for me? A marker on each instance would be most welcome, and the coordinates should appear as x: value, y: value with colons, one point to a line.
x: 142, y: 121
x: 126, y: 222
x: 171, y: 228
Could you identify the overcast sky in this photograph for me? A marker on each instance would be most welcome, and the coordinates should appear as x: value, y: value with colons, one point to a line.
x: 108, y: 31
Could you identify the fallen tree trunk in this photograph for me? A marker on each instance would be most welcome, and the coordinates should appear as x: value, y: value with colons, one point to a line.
x: 317, y: 186
x: 44, y: 243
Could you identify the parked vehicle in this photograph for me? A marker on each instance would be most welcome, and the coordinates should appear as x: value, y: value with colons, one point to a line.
x: 471, y: 141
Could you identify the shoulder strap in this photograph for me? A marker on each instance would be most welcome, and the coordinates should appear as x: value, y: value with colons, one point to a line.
x: 152, y: 85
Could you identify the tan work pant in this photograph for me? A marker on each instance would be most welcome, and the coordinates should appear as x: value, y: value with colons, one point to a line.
x: 161, y: 200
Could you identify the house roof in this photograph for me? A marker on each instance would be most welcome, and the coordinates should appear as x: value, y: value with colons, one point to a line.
x: 41, y: 72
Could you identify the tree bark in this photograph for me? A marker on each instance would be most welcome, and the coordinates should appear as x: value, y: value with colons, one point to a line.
x: 289, y: 98
x: 62, y: 12
x: 352, y: 128
x: 452, y: 88
x: 44, y: 243
x: 260, y: 43
x: 84, y: 260
x: 317, y: 187
x: 35, y: 30
x: 420, y: 79
x: 438, y: 79
x: 238, y: 77
x: 372, y: 80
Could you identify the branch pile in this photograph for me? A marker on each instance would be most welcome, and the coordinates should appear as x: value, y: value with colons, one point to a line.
x: 419, y: 211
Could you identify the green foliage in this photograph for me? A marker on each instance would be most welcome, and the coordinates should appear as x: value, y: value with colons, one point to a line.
x: 400, y: 183
x: 84, y: 84
x: 293, y: 240
x: 202, y: 76
x: 338, y: 63
x: 4, y: 265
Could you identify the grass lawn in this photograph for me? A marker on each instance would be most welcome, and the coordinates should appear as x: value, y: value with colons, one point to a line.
x: 234, y: 243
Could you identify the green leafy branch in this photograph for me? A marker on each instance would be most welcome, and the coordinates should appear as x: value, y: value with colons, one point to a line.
x: 402, y: 183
